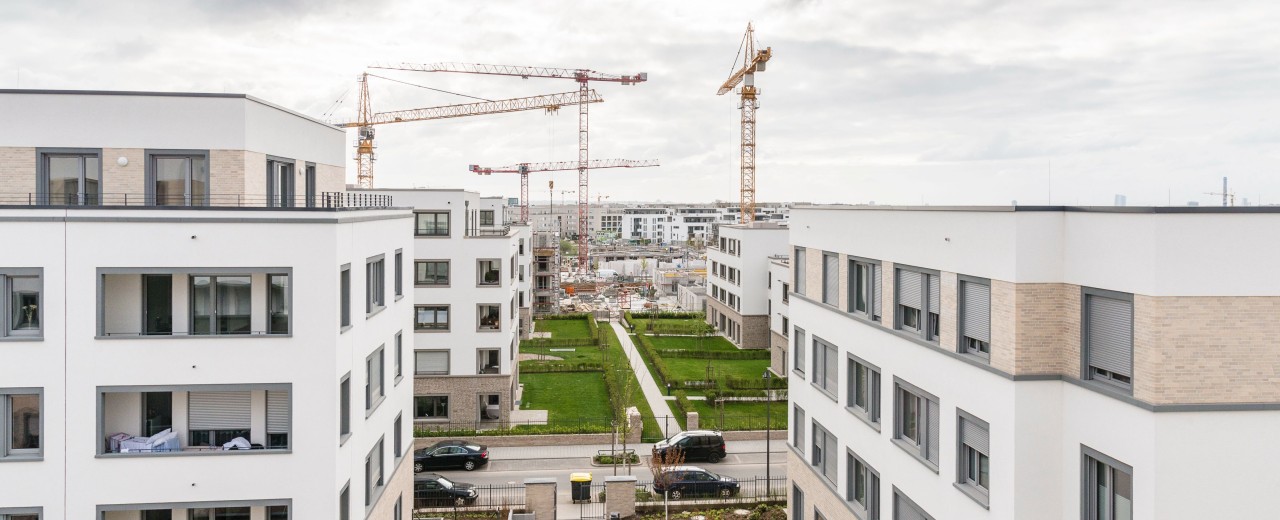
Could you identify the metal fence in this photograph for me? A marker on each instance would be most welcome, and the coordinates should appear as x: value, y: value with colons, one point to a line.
x: 491, y: 501
x: 749, y: 491
x: 497, y: 427
x: 329, y: 200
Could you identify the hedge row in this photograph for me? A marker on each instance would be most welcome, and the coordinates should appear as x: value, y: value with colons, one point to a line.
x: 754, y: 383
x: 714, y: 354
x: 546, y: 367
x: 571, y: 316
x: 683, y: 406
x: 779, y: 394
x: 558, y: 342
x: 650, y: 353
x: 667, y: 315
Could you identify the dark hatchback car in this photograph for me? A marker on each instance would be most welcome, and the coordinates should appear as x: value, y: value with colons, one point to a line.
x: 450, y: 455
x: 690, y: 481
x: 432, y: 490
x: 696, y: 444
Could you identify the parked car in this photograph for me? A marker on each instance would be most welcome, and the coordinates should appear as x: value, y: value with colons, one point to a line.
x: 696, y: 444
x: 450, y: 455
x: 691, y: 481
x: 432, y: 490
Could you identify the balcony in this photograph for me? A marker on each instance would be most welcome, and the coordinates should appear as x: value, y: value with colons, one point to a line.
x: 198, y: 419
x: 224, y: 511
x: 324, y: 200
x: 167, y: 303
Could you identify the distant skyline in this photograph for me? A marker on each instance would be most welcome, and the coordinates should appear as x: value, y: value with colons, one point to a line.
x: 924, y: 102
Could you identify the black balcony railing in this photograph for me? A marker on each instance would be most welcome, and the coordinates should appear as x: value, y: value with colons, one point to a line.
x: 324, y: 200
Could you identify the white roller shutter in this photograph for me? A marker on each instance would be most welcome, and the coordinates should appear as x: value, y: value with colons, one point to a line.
x: 277, y: 411
x: 875, y: 288
x: 935, y: 293
x: 830, y: 278
x: 220, y: 410
x: 1111, y: 334
x: 904, y: 509
x: 975, y: 436
x: 977, y: 311
x: 932, y: 429
x: 434, y: 362
x: 909, y: 289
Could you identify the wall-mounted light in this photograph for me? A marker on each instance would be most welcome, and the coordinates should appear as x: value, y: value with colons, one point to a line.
x: 122, y: 161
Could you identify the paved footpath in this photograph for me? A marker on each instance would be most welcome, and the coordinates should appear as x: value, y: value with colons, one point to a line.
x: 652, y: 393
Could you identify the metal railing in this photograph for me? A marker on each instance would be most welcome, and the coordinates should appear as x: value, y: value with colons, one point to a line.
x: 258, y: 333
x: 496, y: 498
x: 749, y: 491
x: 454, y: 428
x: 324, y: 200
x: 490, y: 231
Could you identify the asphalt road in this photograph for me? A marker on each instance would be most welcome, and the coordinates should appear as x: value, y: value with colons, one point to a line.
x: 499, y: 472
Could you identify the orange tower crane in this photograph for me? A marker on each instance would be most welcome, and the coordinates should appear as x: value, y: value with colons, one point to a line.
x: 583, y: 77
x: 524, y: 169
x: 752, y: 61
x: 366, y: 119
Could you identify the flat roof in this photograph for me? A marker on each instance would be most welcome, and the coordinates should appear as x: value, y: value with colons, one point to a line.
x: 140, y: 93
x: 1080, y: 209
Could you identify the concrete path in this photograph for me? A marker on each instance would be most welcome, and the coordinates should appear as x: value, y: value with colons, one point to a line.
x: 652, y: 393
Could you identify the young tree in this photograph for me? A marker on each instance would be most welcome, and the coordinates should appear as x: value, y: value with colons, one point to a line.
x: 661, y: 464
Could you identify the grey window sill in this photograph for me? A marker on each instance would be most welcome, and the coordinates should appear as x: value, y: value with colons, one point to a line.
x: 431, y: 236
x: 861, y: 415
x: 980, y: 358
x: 431, y: 285
x: 344, y: 329
x: 825, y: 392
x: 22, y: 458
x: 1109, y: 387
x: 342, y: 440
x: 399, y: 297
x: 133, y: 337
x: 375, y: 311
x: 982, y: 498
x: 488, y: 330
x: 431, y: 420
x: 423, y: 374
x: 369, y: 411
x: 430, y: 331
x: 397, y: 381
x: 22, y: 338
x: 915, y: 453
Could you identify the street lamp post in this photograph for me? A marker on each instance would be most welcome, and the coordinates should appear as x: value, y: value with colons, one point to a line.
x: 768, y: 432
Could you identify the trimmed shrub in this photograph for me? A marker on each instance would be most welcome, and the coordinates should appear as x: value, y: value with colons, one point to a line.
x: 714, y: 354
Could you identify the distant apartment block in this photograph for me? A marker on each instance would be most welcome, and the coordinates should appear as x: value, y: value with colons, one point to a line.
x: 738, y: 281
x: 196, y: 321
x: 779, y: 313
x: 1046, y: 362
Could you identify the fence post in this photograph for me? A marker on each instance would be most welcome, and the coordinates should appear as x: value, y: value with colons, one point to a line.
x: 540, y: 498
x: 691, y: 420
x: 620, y: 496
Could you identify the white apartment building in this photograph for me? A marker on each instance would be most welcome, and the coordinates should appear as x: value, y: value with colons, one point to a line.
x: 195, y: 321
x: 738, y: 281
x: 1055, y: 363
x: 472, y: 275
x: 655, y: 223
x: 779, y: 313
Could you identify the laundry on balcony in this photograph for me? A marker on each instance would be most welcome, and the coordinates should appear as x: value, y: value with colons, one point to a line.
x: 164, y: 441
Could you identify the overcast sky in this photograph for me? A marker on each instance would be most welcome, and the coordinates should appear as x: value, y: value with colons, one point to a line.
x: 893, y: 101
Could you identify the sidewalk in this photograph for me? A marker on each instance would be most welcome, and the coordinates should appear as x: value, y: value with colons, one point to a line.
x: 652, y: 393
x: 586, y: 451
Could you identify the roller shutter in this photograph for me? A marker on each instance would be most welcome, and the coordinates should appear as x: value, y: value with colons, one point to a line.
x: 875, y: 297
x: 932, y: 427
x: 1110, y: 334
x: 935, y: 293
x: 977, y: 311
x: 219, y: 410
x: 432, y: 362
x: 975, y: 436
x: 903, y: 509
x: 909, y: 289
x: 830, y: 278
x: 277, y: 412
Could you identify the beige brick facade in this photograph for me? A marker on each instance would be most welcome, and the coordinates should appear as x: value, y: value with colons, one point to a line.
x: 17, y: 173
x: 1004, y: 329
x: 755, y: 332
x: 399, y: 487
x: 330, y: 178
x: 843, y: 294
x: 1047, y: 327
x: 464, y: 397
x: 129, y: 180
x: 887, y: 287
x: 819, y: 493
x: 813, y: 273
x: 948, y: 307
x: 778, y: 353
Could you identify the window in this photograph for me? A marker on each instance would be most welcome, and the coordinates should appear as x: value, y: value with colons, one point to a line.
x: 797, y: 503
x: 221, y: 304
x: 1108, y: 487
x: 797, y: 434
x: 486, y: 217
x: 344, y: 503
x: 431, y: 272
x: 786, y: 327
x: 974, y: 465
x: 488, y: 361
x: 375, y: 285
x: 399, y: 356
x: 786, y: 292
x: 157, y: 304
x: 280, y: 182
x: 278, y: 304
x: 399, y: 267
x: 825, y: 366
x: 916, y: 422
x: 830, y: 279
x: 216, y: 418
x: 1108, y: 337
x: 431, y: 362
x: 220, y: 513
x: 344, y: 407
x: 278, y: 418
x: 397, y: 434
x: 905, y: 509
x: 864, y: 289
x: 178, y: 179
x: 431, y: 317
x: 373, y: 391
x: 864, y: 391
x: 431, y: 224
x: 431, y: 407
x: 21, y: 310
x: 522, y: 247
x: 398, y: 512
x: 69, y: 177
x: 489, y: 316
x: 277, y: 512
x: 522, y: 272
x: 488, y: 272
x: 344, y: 296
x: 373, y: 473
x: 918, y: 296
x: 797, y: 350
x: 823, y: 457
x: 20, y: 422
x: 975, y: 318
x: 862, y: 487
x: 799, y: 270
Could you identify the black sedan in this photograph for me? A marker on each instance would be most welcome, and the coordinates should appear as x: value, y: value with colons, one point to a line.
x: 432, y: 490
x: 450, y: 455
x: 691, y: 481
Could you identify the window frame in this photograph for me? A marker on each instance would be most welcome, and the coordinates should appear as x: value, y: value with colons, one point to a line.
x: 288, y: 303
x: 826, y: 359
x: 798, y: 347
x: 871, y: 482
x: 344, y: 298
x: 447, y: 411
x: 448, y: 362
x: 375, y: 285
x: 448, y: 324
x: 480, y: 353
x: 798, y: 433
x: 798, y: 274
x: 151, y: 170
x: 480, y: 272
x: 448, y: 223
x: 42, y: 175
x: 215, y: 304
x: 973, y: 488
x: 344, y: 408
x: 376, y: 359
x: 871, y: 413
x: 899, y: 496
x: 823, y: 450
x: 919, y: 448
x: 924, y: 331
x: 1089, y: 459
x: 873, y: 296
x: 419, y: 281
x: 487, y: 213
x: 374, y: 488
x: 1087, y: 371
x: 830, y: 297
x: 7, y: 452
x: 480, y: 315
x: 7, y: 330
x: 398, y: 362
x: 962, y: 341
x: 398, y: 266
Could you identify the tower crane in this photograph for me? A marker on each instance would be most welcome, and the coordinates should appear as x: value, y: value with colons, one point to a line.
x: 1226, y: 194
x: 583, y: 77
x: 366, y: 119
x: 524, y: 169
x: 752, y: 61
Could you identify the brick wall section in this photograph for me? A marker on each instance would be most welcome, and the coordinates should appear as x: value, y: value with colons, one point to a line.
x: 813, y: 273
x: 1206, y: 349
x: 330, y: 178
x: 948, y: 328
x: 17, y: 172
x: 130, y: 180
x: 887, y: 302
x: 399, y: 484
x: 254, y: 179
x: 778, y: 353
x: 1004, y: 326
x: 463, y: 392
x: 819, y: 492
x: 1048, y: 327
x: 755, y: 332
x: 843, y: 301
x: 226, y: 174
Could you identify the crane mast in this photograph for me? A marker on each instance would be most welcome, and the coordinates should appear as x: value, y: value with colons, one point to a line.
x: 364, y: 137
x: 752, y: 61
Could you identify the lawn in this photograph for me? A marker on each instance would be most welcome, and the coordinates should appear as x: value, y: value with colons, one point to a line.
x: 651, y: 429
x: 741, y: 415
x: 567, y: 396
x: 685, y: 369
x: 564, y: 329
x: 583, y: 354
x: 691, y: 343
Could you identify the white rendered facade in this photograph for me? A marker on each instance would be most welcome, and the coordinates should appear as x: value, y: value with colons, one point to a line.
x: 1058, y: 433
x: 466, y: 370
x: 209, y: 322
x: 738, y: 281
x: 779, y: 313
